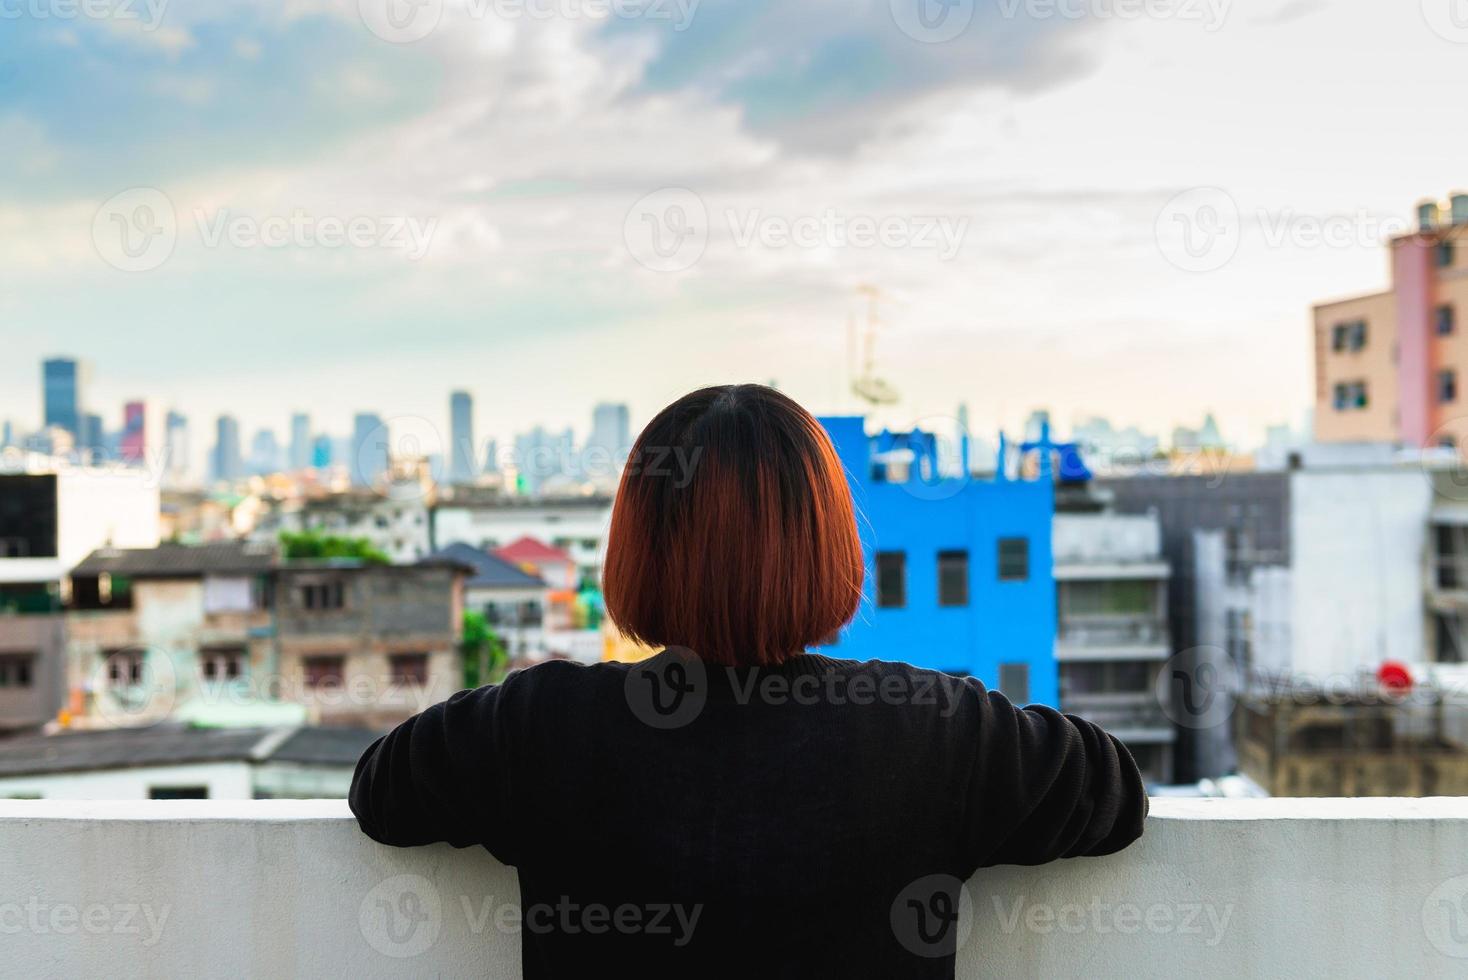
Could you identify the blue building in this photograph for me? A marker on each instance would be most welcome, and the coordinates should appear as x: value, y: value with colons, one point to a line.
x: 959, y: 573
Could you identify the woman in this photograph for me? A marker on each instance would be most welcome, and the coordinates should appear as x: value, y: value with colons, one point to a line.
x: 736, y: 806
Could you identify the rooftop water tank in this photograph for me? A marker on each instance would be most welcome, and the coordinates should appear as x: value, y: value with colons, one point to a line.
x: 1460, y: 208
x: 1427, y: 215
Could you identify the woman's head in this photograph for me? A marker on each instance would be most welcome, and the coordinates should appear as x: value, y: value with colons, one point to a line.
x: 733, y: 532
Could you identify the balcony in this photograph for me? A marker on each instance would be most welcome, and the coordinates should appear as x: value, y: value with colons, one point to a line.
x: 1217, y: 888
x: 1131, y: 717
x: 1111, y: 638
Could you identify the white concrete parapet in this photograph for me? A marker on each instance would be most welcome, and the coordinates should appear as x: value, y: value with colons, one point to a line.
x: 1216, y: 888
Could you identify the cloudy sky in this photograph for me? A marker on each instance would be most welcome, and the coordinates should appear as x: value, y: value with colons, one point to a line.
x: 1121, y: 207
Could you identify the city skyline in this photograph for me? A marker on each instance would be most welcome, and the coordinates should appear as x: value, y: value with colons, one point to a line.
x: 297, y: 444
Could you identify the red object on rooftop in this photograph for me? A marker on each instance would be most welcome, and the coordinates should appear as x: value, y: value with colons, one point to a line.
x: 528, y: 549
x: 1394, y: 676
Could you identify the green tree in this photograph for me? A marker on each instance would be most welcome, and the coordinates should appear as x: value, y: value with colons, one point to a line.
x: 484, y: 653
x: 314, y: 544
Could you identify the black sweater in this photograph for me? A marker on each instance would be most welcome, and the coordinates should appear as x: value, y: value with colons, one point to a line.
x: 811, y: 820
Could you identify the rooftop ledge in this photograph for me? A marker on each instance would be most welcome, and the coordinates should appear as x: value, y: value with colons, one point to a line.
x: 1216, y: 888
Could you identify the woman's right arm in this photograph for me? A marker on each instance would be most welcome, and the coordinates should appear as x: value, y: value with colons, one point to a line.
x: 436, y: 777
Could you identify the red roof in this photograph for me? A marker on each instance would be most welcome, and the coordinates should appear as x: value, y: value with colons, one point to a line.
x: 528, y: 549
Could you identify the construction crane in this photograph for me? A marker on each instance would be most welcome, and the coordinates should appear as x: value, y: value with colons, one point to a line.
x: 864, y: 381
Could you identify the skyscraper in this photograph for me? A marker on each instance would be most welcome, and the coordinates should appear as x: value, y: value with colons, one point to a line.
x: 370, y: 456
x: 265, y: 453
x: 142, y: 433
x: 227, y: 462
x: 321, y: 454
x: 176, y: 449
x: 63, y: 387
x: 611, y: 429
x: 300, y: 442
x: 461, y: 431
x: 542, y: 456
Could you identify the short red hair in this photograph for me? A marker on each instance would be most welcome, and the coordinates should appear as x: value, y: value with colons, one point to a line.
x: 733, y: 532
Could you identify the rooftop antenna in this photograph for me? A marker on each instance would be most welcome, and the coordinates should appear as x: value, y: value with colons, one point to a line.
x: 866, y: 385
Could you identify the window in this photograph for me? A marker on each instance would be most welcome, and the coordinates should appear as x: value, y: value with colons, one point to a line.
x: 1350, y: 395
x: 409, y: 668
x: 1348, y: 335
x: 1444, y: 254
x: 222, y: 665
x: 1106, y: 677
x: 17, y: 670
x: 323, y: 595
x: 1447, y: 386
x: 115, y: 590
x: 124, y: 668
x: 1014, y: 682
x: 28, y: 527
x: 1450, y: 555
x: 323, y: 671
x: 1014, y: 559
x: 1358, y: 334
x: 1446, y: 321
x: 1113, y: 597
x: 953, y: 578
x: 891, y: 579
x: 224, y: 594
x: 178, y: 792
x: 1449, y: 638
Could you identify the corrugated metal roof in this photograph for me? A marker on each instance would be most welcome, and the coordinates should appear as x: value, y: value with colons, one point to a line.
x: 325, y: 746
x: 174, y: 744
x: 182, y: 561
x: 125, y: 748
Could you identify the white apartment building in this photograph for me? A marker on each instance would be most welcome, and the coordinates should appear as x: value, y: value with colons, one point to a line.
x: 576, y: 525
x: 1112, y: 638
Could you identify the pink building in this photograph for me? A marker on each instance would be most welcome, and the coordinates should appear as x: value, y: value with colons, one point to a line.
x: 1389, y: 366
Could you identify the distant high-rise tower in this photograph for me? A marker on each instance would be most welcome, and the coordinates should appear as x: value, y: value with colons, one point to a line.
x: 176, y: 449
x: 611, y: 430
x: 141, y: 442
x: 370, y: 456
x: 227, y: 462
x: 461, y: 431
x: 94, y: 434
x: 321, y: 455
x: 265, y: 453
x: 300, y: 442
x: 63, y: 386
x: 541, y: 456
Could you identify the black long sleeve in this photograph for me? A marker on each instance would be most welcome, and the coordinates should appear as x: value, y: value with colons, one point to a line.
x: 795, y: 812
x: 439, y: 776
x: 1046, y: 786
